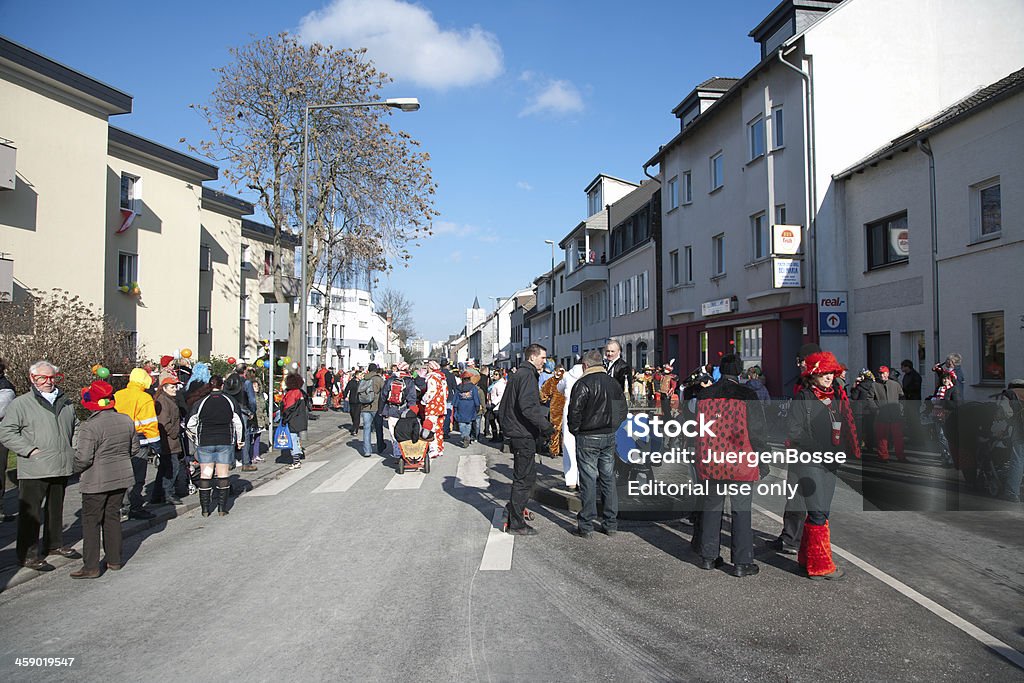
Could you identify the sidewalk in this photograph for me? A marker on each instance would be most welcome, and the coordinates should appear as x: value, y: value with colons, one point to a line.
x: 324, y: 431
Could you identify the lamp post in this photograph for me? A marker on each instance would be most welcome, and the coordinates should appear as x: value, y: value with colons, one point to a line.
x: 552, y: 243
x: 497, y: 328
x: 401, y: 103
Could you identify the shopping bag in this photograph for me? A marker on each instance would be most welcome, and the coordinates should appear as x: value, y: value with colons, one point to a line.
x: 282, y: 437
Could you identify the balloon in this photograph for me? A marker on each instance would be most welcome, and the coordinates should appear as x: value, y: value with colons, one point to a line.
x: 177, y: 353
x: 186, y: 353
x: 295, y: 366
x: 287, y: 359
x: 124, y: 288
x: 231, y: 360
x: 280, y: 362
x: 259, y: 363
x: 103, y: 373
x: 95, y: 367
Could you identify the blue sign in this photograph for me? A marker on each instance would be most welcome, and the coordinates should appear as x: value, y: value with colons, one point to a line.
x: 831, y: 322
x: 575, y: 348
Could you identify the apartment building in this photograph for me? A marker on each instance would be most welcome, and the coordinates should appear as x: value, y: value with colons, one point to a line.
x: 749, y: 207
x: 355, y: 334
x: 633, y: 281
x: 540, y: 319
x: 942, y: 276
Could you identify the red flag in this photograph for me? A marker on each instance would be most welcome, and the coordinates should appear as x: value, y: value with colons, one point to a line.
x: 127, y: 216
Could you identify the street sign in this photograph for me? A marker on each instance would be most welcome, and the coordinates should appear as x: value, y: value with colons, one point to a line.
x: 274, y: 319
x: 832, y: 312
x: 575, y: 348
x: 786, y: 273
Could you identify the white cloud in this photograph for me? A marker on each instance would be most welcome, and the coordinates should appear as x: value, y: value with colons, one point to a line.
x: 455, y: 257
x: 404, y: 40
x: 463, y: 232
x: 523, y: 185
x: 557, y: 97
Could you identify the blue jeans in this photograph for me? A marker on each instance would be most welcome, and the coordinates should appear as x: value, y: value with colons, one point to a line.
x: 367, y: 418
x: 1015, y: 470
x: 220, y: 455
x: 465, y: 431
x: 167, y: 476
x: 595, y: 457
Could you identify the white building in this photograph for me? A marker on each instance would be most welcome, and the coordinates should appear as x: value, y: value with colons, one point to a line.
x: 420, y: 348
x: 356, y: 335
x: 835, y: 81
x: 904, y: 303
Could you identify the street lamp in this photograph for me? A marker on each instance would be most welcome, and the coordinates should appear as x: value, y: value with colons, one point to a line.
x: 497, y: 330
x: 400, y: 103
x: 552, y: 243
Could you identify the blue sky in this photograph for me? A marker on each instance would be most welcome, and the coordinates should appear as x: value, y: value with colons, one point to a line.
x: 523, y: 102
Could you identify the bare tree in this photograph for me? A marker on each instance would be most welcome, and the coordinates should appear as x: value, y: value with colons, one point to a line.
x: 370, y: 189
x: 392, y: 304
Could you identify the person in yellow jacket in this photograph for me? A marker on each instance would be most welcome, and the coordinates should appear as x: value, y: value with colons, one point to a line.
x: 135, y: 402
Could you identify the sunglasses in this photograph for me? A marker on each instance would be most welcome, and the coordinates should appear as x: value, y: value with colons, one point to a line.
x: 46, y: 379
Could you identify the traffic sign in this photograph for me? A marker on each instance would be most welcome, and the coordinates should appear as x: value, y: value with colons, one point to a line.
x: 832, y: 313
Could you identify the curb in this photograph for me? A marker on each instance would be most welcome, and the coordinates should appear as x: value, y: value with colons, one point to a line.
x: 137, y: 526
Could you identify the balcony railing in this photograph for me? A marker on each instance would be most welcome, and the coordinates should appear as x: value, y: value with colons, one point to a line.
x: 586, y: 276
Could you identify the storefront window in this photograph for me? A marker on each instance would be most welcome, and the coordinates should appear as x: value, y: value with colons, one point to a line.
x: 704, y: 348
x: 992, y: 347
x: 748, y: 344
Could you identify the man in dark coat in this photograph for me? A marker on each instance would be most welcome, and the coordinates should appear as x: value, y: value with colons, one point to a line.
x: 617, y: 367
x: 597, y: 406
x: 523, y: 420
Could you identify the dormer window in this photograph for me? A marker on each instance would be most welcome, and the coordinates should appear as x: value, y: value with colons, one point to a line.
x: 594, y: 203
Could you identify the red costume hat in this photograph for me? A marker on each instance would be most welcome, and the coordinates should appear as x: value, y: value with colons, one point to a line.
x: 821, y: 363
x: 98, y: 396
x: 166, y: 360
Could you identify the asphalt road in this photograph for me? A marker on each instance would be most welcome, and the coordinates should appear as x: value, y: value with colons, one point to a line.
x: 332, y: 572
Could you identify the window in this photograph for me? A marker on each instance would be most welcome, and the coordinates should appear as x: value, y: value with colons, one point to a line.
x: 759, y: 235
x: 888, y: 241
x: 717, y: 179
x: 755, y: 137
x: 673, y: 193
x: 778, y: 140
x: 204, y: 321
x: 688, y: 264
x: 363, y: 323
x: 131, y: 192
x: 246, y: 257
x: 127, y: 269
x: 645, y: 294
x: 594, y: 201
x: 780, y: 214
x: 687, y: 187
x: 703, y: 343
x: 673, y: 259
x: 205, y: 258
x: 244, y: 315
x: 718, y: 254
x: 748, y: 344
x: 641, y: 354
x: 268, y: 262
x: 316, y: 299
x: 986, y: 210
x: 627, y: 296
x: 992, y: 347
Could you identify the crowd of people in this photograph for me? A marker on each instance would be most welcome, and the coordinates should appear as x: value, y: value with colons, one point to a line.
x: 194, y: 426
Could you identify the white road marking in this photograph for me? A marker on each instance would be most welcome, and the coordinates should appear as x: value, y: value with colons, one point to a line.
x: 983, y: 637
x: 410, y: 480
x: 343, y: 480
x: 472, y: 472
x: 498, y: 551
x: 281, y: 483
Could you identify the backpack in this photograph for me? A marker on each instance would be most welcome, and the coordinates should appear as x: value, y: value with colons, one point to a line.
x: 1016, y: 421
x: 366, y: 394
x: 396, y: 391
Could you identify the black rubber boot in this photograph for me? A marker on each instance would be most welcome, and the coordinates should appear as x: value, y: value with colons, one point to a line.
x: 206, y: 496
x: 221, y: 495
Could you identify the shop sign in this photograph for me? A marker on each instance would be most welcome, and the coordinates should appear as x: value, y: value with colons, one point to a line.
x: 832, y: 312
x: 716, y: 307
x: 786, y: 239
x: 899, y: 239
x: 786, y: 273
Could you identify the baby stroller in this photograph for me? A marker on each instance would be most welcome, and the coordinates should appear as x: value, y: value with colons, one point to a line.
x: 318, y: 401
x: 979, y: 454
x: 413, y: 439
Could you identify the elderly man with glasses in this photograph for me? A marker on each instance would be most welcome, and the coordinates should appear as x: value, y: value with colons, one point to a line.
x: 40, y: 427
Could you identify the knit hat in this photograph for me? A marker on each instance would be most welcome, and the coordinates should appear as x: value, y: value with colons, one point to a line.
x: 98, y: 396
x: 166, y: 360
x: 806, y: 350
x: 433, y: 365
x: 403, y: 367
x: 821, y: 363
x: 730, y: 364
x: 140, y: 376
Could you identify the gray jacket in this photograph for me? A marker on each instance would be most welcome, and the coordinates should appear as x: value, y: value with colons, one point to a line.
x: 107, y: 442
x: 31, y: 423
x: 888, y: 395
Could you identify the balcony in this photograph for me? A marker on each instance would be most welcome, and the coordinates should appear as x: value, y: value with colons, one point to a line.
x: 289, y: 284
x: 586, y: 277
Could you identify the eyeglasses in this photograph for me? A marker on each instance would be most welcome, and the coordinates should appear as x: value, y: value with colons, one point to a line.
x: 46, y: 379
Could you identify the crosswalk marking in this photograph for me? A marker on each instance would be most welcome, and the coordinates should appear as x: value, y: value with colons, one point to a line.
x: 281, y: 483
x: 409, y: 480
x: 472, y: 472
x: 498, y: 551
x: 343, y: 480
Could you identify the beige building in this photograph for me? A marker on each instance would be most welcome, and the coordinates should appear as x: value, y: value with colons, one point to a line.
x: 122, y: 221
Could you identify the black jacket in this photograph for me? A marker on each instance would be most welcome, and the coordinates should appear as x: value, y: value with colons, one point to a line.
x: 521, y: 414
x: 597, y: 404
x: 911, y: 381
x: 623, y: 374
x: 408, y: 427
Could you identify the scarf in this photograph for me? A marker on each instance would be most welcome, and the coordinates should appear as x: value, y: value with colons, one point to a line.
x: 826, y: 396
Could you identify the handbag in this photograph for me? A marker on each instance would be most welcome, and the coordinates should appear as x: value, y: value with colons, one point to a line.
x: 282, y: 437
